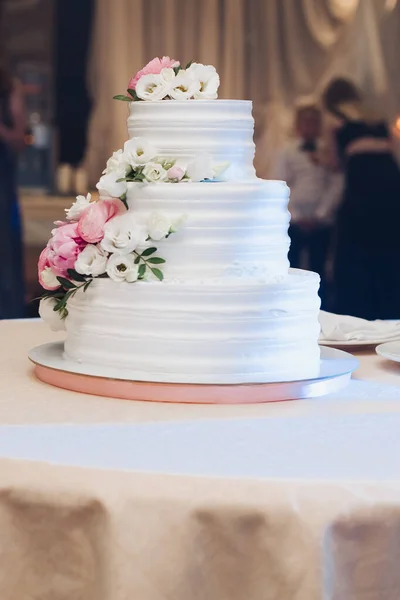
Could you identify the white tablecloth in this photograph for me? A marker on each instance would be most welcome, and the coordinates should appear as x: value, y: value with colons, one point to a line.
x: 293, y: 500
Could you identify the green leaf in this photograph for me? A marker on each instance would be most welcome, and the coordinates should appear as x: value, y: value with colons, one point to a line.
x: 85, y: 287
x: 137, y: 260
x: 139, y: 177
x: 123, y: 200
x: 157, y: 273
x: 76, y: 276
x: 59, y: 306
x: 189, y: 64
x: 64, y: 313
x: 177, y: 69
x: 121, y: 179
x: 66, y: 283
x: 133, y: 94
x: 122, y: 97
x: 156, y: 260
x: 142, y: 270
x: 149, y: 251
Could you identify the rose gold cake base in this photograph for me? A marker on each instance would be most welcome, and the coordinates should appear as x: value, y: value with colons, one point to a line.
x: 335, y: 373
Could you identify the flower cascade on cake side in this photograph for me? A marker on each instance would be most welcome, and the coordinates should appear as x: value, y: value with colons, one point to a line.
x: 165, y: 79
x: 98, y: 239
x: 104, y: 238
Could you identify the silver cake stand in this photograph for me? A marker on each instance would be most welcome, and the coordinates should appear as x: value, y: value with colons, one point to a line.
x: 53, y: 368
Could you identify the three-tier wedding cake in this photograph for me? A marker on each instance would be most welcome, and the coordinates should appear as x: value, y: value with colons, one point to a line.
x: 178, y: 273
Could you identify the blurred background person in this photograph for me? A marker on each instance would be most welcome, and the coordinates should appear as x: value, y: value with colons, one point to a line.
x: 367, y: 241
x: 12, y: 131
x: 315, y: 191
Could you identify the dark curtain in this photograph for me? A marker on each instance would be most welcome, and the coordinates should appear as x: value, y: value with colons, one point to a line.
x: 74, y: 20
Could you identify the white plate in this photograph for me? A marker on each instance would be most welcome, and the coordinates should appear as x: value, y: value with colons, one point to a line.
x: 390, y: 350
x: 352, y: 343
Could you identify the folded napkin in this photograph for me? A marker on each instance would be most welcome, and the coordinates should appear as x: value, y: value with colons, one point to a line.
x: 341, y: 328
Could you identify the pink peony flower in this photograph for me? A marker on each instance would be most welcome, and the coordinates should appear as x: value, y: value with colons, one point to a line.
x: 95, y: 216
x: 47, y: 278
x: 63, y: 248
x: 154, y: 67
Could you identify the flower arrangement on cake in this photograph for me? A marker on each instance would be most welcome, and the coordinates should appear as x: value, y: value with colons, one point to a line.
x: 98, y: 239
x: 139, y: 162
x: 165, y: 79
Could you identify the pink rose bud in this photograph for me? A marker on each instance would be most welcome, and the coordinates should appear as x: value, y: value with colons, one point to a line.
x: 175, y: 174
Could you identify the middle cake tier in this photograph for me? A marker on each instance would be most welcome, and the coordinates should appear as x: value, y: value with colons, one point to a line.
x: 230, y: 230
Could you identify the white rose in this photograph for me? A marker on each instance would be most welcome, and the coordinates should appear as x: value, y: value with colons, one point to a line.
x: 49, y: 279
x: 200, y: 168
x: 152, y: 87
x: 122, y: 268
x: 158, y: 226
x: 122, y: 235
x: 110, y: 186
x: 208, y: 81
x: 50, y: 316
x: 82, y: 202
x: 139, y: 151
x: 183, y: 87
x: 91, y: 261
x: 154, y: 172
x: 117, y: 162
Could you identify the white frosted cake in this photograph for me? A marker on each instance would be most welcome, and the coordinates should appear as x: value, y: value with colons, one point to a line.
x: 189, y: 281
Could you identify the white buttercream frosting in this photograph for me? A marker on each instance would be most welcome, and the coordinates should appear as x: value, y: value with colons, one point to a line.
x: 182, y: 130
x: 201, y: 333
x: 229, y: 310
x: 232, y: 229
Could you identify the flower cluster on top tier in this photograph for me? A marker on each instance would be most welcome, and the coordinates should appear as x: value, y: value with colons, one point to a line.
x: 139, y: 162
x: 165, y: 79
x: 98, y: 239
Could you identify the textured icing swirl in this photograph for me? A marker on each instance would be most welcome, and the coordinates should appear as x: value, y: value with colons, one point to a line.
x: 233, y: 333
x: 232, y: 229
x: 182, y: 130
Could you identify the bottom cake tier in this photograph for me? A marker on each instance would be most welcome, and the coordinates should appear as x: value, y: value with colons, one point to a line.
x: 205, y: 332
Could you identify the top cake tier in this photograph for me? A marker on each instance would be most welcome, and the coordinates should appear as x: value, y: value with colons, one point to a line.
x: 182, y: 130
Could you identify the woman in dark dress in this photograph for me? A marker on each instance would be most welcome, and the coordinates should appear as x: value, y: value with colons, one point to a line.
x: 367, y: 257
x: 12, y: 129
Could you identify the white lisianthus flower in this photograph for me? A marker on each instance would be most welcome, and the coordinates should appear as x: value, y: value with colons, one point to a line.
x: 122, y: 268
x: 200, y: 168
x: 139, y: 151
x: 110, y: 186
x: 168, y: 74
x: 91, y: 261
x: 152, y: 87
x: 117, y: 162
x: 48, y: 279
x: 207, y: 79
x: 154, y: 172
x: 177, y: 224
x: 50, y: 316
x: 220, y: 169
x: 158, y: 226
x: 73, y: 213
x: 122, y: 235
x: 183, y: 87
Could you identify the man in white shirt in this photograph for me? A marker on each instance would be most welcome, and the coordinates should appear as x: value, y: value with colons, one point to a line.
x: 315, y: 192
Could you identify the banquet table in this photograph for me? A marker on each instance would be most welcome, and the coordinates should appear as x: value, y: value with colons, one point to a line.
x: 104, y: 499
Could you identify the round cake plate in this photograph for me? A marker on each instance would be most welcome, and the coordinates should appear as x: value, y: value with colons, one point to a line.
x: 53, y: 368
